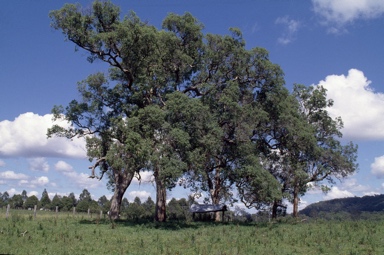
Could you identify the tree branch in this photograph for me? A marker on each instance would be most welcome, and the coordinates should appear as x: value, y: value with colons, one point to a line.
x: 103, y: 159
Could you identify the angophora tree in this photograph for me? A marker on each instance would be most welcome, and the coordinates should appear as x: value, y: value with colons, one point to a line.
x: 233, y: 84
x: 174, y: 102
x: 325, y: 158
x: 300, y: 144
x: 122, y: 115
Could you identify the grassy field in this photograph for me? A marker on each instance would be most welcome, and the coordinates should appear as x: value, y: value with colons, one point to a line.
x: 64, y: 233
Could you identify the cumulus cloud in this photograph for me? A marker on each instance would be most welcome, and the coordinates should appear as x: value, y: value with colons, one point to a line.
x: 146, y: 177
x: 40, y: 181
x: 38, y: 164
x: 302, y: 204
x: 62, y: 166
x: 352, y: 185
x: 338, y: 13
x: 371, y: 193
x: 335, y: 192
x: 11, y: 175
x: 291, y: 28
x: 377, y: 167
x: 142, y: 194
x: 26, y: 137
x: 359, y: 106
x: 12, y: 192
x: 35, y: 182
x: 81, y: 180
x: 33, y: 193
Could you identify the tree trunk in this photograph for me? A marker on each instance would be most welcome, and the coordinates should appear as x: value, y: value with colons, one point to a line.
x: 161, y: 196
x: 296, y: 200
x: 215, y: 194
x: 274, y: 209
x: 122, y: 182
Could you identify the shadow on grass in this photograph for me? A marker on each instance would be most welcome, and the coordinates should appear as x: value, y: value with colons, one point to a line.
x: 173, y: 225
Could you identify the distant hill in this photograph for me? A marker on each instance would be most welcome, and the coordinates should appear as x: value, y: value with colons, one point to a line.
x: 348, y: 205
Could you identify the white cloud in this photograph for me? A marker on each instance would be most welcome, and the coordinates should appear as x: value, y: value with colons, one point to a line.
x: 81, y: 180
x: 26, y: 136
x: 33, y: 193
x: 337, y: 13
x: 36, y: 182
x: 291, y: 29
x: 62, y: 166
x: 371, y: 193
x: 142, y: 194
x: 146, y: 177
x: 23, y: 183
x: 2, y: 163
x: 351, y: 184
x: 12, y: 192
x: 359, y: 106
x: 40, y: 181
x: 302, y: 205
x: 11, y: 175
x: 38, y: 164
x: 377, y: 167
x: 335, y: 192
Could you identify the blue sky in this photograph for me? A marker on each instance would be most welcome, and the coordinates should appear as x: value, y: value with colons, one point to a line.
x: 335, y: 43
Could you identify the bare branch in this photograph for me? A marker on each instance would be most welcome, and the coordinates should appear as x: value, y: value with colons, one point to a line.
x: 103, y: 159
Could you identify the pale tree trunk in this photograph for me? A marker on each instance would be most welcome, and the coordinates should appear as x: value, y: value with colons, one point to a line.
x: 296, y: 200
x: 122, y: 182
x: 161, y: 199
x: 215, y: 193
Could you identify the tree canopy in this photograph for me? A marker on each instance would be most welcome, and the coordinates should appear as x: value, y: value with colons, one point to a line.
x: 194, y: 108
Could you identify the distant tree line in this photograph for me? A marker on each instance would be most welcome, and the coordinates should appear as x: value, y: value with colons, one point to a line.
x: 133, y: 211
x: 198, y: 110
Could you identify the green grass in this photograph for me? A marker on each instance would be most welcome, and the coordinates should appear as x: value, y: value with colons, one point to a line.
x: 67, y: 234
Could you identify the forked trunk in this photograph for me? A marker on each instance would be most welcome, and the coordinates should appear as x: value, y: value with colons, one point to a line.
x: 161, y: 196
x: 122, y: 182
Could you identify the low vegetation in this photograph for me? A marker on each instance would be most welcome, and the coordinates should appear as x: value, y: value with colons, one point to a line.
x: 65, y: 233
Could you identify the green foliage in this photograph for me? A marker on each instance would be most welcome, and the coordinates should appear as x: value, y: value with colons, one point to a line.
x: 178, y: 209
x: 67, y: 203
x: 136, y: 211
x: 17, y: 201
x: 202, y: 106
x: 104, y: 204
x: 85, y: 196
x: 31, y: 202
x: 45, y: 201
x: 4, y: 199
x: 57, y: 201
x: 84, y: 205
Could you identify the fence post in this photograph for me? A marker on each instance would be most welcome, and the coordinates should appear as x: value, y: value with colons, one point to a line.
x: 89, y: 212
x: 7, y: 213
x: 34, y: 212
x: 101, y: 214
x: 74, y: 210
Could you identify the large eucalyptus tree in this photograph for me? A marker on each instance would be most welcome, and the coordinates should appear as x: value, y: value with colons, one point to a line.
x: 173, y: 101
x: 301, y: 144
x: 122, y: 114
